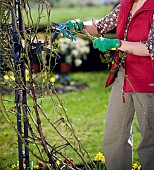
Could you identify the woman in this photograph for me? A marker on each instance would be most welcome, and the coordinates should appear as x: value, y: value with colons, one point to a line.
x: 133, y: 88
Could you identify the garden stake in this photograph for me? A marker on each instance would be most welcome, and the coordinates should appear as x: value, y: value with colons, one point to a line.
x: 19, y: 65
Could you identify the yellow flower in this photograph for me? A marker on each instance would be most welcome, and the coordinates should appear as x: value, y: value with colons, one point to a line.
x: 34, y: 85
x: 36, y: 167
x: 17, y: 164
x: 6, y: 77
x: 135, y: 165
x: 100, y: 157
x: 52, y: 79
x: 9, y: 75
x: 58, y: 162
x: 13, y: 166
x: 27, y: 75
x: 13, y: 78
x: 24, y: 165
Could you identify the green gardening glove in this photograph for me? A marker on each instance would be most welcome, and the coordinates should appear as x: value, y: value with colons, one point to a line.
x: 75, y: 24
x: 104, y: 44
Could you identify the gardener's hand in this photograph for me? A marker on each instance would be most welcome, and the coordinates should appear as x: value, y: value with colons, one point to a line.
x: 75, y: 24
x: 104, y: 44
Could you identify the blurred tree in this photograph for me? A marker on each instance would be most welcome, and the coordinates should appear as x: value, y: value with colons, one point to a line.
x: 55, y: 3
x: 51, y: 2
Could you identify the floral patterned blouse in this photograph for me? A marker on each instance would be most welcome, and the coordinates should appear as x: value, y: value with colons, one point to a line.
x: 110, y: 21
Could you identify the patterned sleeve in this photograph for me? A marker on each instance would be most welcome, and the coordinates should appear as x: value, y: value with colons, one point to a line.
x: 150, y: 42
x: 108, y: 22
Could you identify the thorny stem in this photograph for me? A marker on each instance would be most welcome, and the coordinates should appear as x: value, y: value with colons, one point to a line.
x: 29, y: 36
x: 71, y: 127
x: 26, y: 38
x: 6, y: 115
x: 64, y: 137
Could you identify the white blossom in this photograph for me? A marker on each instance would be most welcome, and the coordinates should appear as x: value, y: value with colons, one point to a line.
x: 78, y: 62
x: 74, y: 50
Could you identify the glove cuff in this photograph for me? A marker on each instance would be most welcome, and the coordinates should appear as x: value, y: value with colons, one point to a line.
x: 118, y: 43
x: 80, y: 24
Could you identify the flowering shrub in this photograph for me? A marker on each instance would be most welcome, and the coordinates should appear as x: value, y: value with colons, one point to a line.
x: 74, y: 51
x: 136, y: 166
x: 16, y: 167
x: 62, y: 83
x: 100, y: 163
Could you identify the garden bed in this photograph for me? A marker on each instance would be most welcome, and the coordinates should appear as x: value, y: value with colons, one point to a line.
x: 63, y: 88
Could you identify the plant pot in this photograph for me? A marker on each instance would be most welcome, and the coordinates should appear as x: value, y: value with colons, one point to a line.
x: 65, y: 67
x: 36, y: 67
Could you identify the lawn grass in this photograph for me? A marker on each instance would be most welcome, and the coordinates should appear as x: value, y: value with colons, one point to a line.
x: 61, y: 15
x: 86, y: 110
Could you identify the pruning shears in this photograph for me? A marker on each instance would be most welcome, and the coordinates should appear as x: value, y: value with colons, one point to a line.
x: 63, y: 29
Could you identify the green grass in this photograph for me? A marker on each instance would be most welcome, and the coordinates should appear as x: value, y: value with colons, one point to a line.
x: 86, y: 110
x: 61, y: 15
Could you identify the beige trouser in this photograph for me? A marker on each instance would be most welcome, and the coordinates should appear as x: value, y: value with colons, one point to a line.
x: 117, y: 144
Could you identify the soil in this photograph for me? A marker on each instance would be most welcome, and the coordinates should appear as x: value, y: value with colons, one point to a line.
x: 64, y: 88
